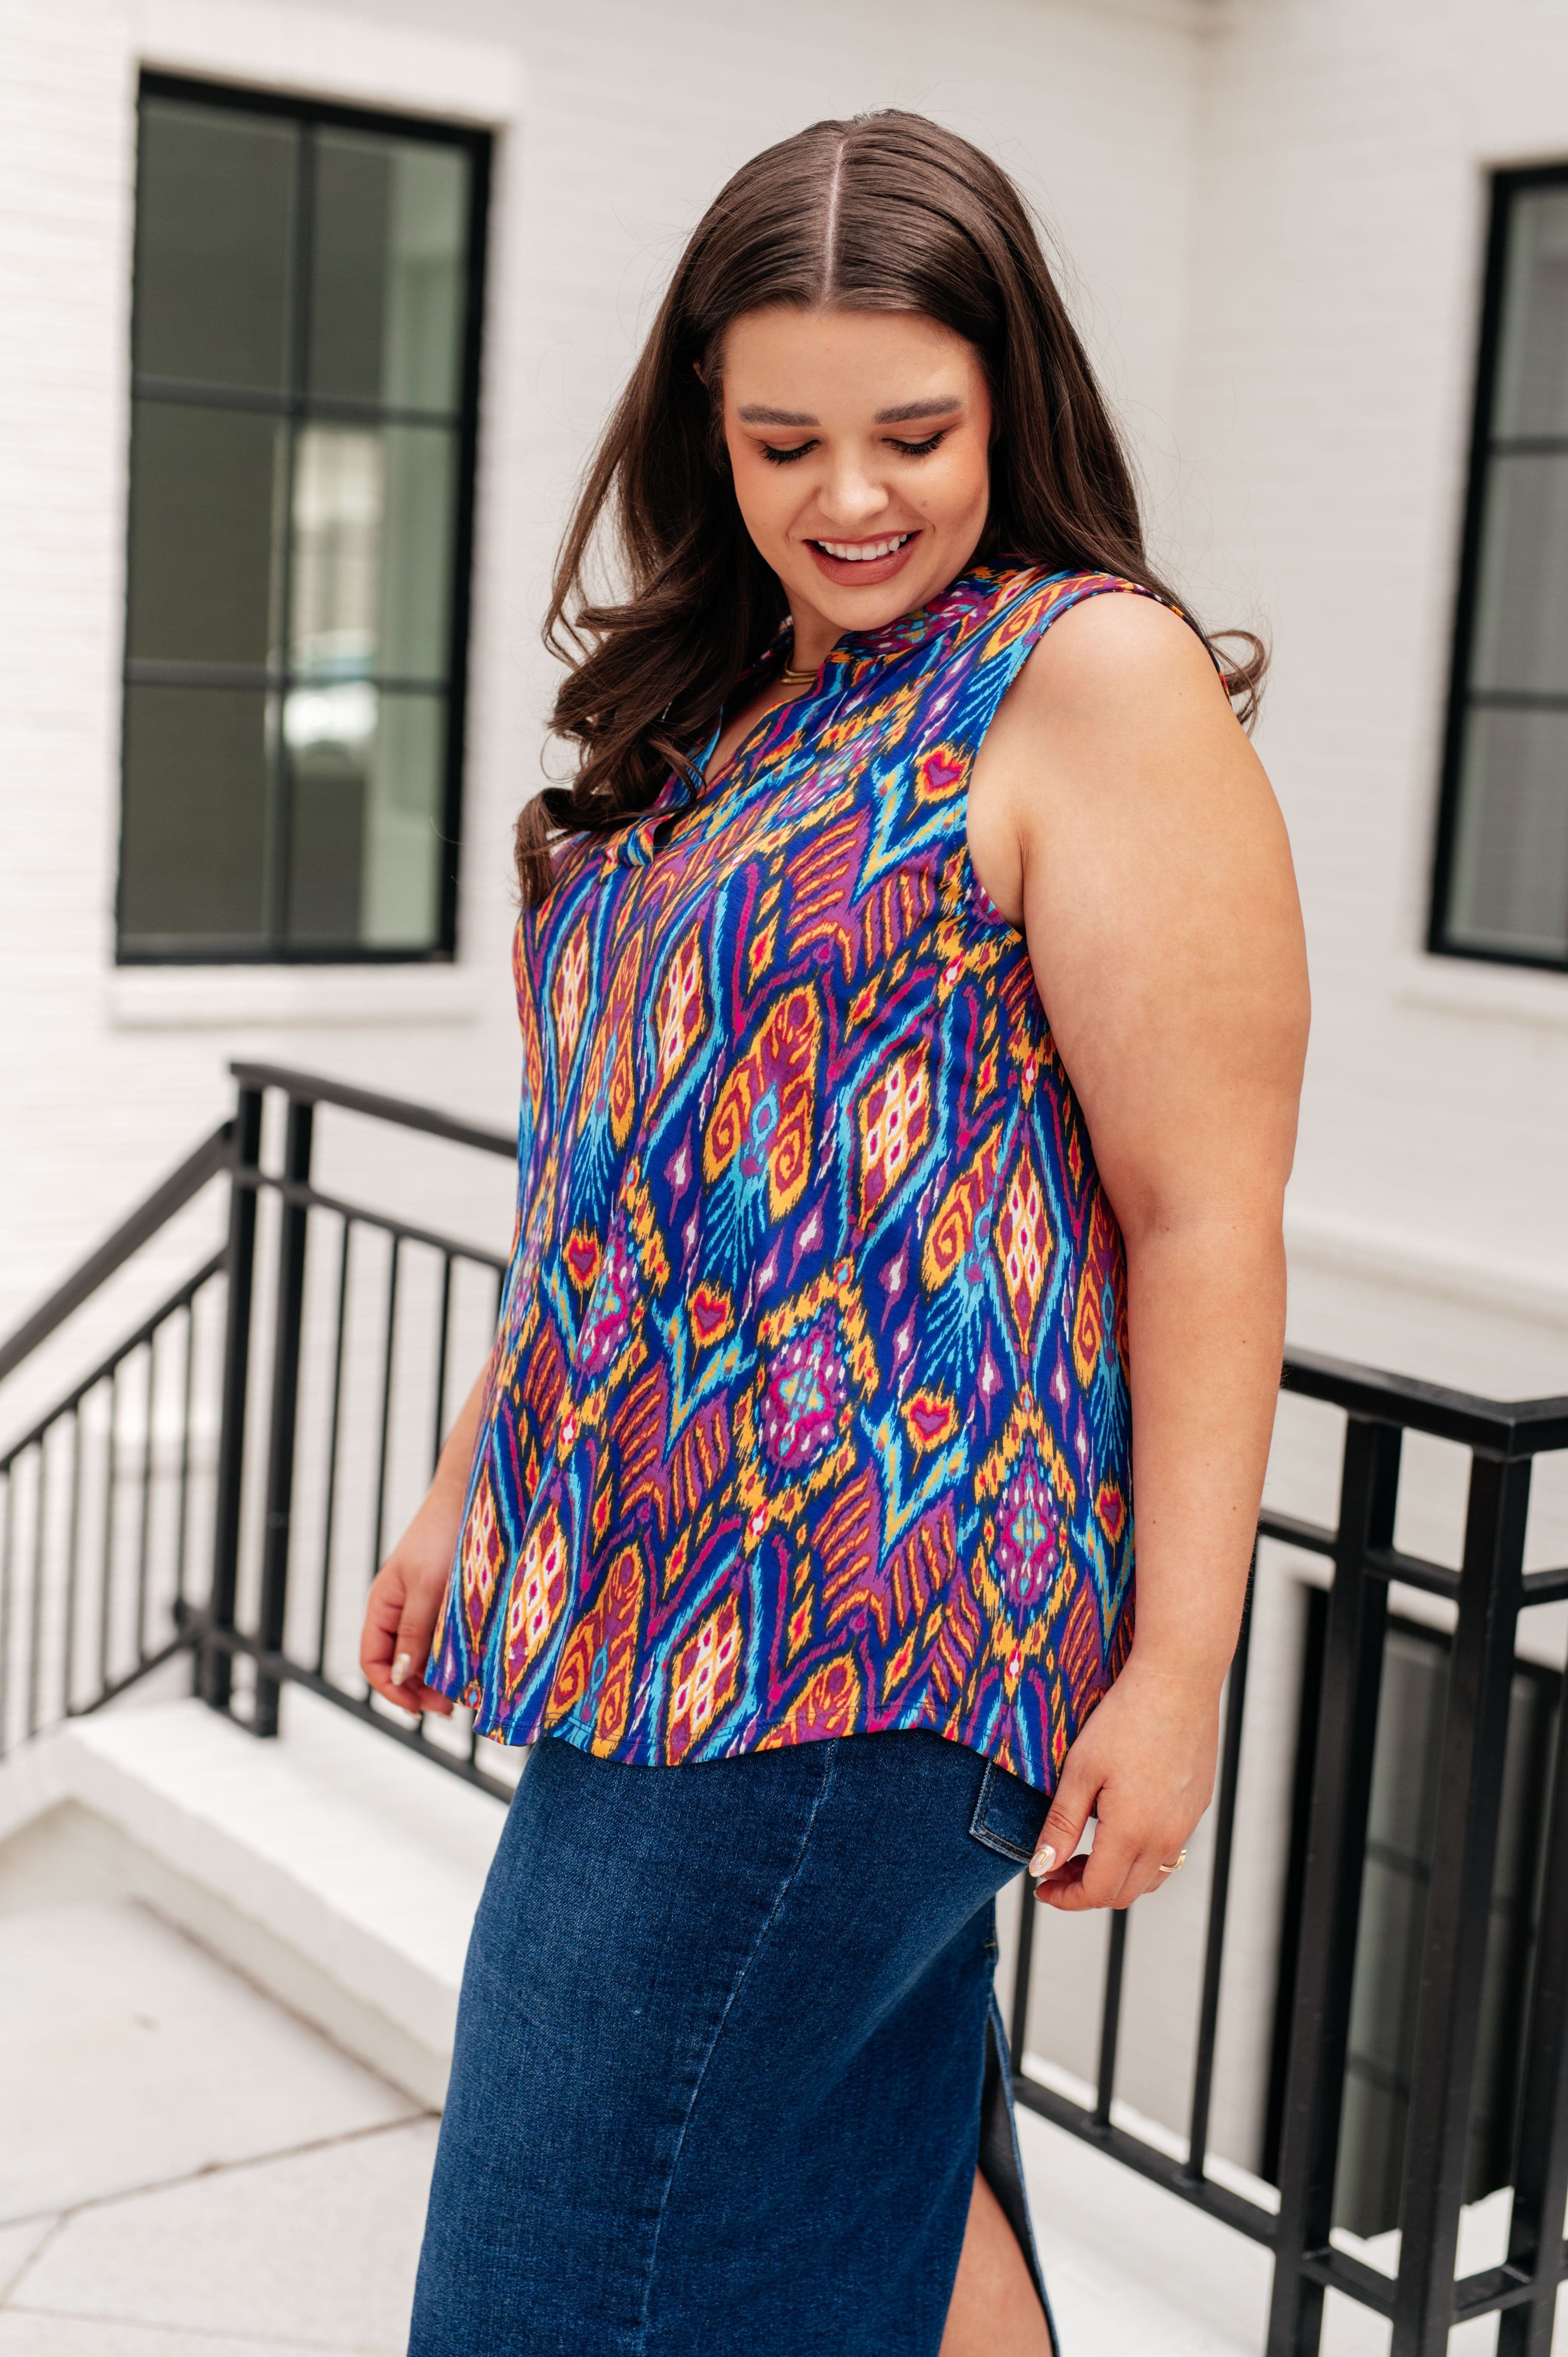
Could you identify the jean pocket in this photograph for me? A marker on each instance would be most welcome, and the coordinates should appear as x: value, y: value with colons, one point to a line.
x: 1009, y: 1813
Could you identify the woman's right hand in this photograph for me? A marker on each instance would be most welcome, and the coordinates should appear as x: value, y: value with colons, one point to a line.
x: 406, y: 1594
x: 405, y: 1605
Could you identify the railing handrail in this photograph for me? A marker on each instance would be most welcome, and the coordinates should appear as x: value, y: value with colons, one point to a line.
x: 1510, y: 1429
x: 215, y: 1152
x: 152, y: 1214
x: 310, y: 1088
x: 70, y: 1400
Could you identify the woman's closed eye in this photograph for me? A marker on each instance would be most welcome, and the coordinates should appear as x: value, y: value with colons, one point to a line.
x: 778, y: 458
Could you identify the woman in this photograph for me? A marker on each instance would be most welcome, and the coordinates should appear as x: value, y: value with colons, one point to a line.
x: 792, y: 1516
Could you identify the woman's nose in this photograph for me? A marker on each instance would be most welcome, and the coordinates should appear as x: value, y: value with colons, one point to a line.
x: 851, y: 499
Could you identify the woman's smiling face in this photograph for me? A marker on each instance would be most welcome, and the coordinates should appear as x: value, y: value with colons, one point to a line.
x: 859, y: 442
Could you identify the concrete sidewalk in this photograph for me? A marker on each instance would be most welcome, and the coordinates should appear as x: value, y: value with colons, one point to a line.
x: 186, y: 2168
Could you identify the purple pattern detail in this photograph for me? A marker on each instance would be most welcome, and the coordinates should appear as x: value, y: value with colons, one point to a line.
x: 802, y: 1395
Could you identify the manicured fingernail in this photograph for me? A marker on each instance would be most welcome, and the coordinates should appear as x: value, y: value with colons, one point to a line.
x: 400, y: 1668
x: 1044, y: 1857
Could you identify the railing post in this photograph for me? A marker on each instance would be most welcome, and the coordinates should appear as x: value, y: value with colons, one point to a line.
x: 292, y: 1237
x: 1337, y: 1832
x: 216, y: 1669
x: 1224, y: 1833
x: 1458, y: 1906
x: 1111, y: 2017
x: 1019, y: 2029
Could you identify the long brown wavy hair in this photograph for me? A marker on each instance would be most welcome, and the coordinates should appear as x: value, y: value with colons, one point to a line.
x: 887, y: 212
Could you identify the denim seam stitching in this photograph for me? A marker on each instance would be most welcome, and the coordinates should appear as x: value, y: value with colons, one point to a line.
x: 1002, y: 1845
x: 784, y: 1891
x: 985, y: 1834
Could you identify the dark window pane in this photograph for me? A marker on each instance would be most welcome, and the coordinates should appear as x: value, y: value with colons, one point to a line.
x: 1521, y: 610
x: 1401, y: 1838
x: 1510, y: 882
x: 214, y: 244
x: 1532, y: 354
x: 416, y: 576
x: 368, y: 786
x: 1501, y: 2057
x: 326, y: 822
x: 205, y: 486
x: 372, y: 550
x: 403, y: 836
x: 1503, y: 887
x: 387, y: 297
x: 192, y: 859
x: 1402, y: 1824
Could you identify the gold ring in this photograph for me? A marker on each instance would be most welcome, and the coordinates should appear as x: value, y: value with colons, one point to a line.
x: 1179, y: 1859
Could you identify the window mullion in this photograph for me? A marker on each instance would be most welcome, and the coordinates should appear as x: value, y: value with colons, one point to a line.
x: 281, y: 832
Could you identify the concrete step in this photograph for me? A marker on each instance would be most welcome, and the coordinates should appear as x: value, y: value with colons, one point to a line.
x: 338, y: 1872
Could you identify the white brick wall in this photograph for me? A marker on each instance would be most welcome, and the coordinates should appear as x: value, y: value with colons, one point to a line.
x: 1342, y: 187
x: 65, y: 158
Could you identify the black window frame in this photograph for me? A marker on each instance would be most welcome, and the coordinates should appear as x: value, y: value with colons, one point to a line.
x: 1506, y: 186
x: 297, y: 404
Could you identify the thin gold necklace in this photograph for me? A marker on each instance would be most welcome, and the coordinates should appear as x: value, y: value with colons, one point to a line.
x: 792, y: 678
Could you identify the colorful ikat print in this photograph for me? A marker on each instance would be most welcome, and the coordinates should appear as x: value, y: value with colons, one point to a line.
x: 808, y: 1410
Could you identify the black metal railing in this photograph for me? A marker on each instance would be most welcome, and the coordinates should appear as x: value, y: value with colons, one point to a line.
x: 288, y: 1620
x: 225, y: 1482
x: 1489, y: 1589
x: 101, y: 1523
x: 222, y: 1486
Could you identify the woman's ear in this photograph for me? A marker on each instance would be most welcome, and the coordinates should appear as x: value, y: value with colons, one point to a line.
x: 697, y: 372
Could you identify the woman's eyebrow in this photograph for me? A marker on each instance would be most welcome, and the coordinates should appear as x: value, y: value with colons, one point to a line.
x: 757, y: 412
x: 907, y: 410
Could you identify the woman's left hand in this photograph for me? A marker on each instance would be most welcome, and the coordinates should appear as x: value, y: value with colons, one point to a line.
x: 1144, y: 1767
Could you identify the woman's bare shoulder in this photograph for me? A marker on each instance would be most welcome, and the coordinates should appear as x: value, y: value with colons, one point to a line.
x: 1120, y: 658
x: 1118, y: 717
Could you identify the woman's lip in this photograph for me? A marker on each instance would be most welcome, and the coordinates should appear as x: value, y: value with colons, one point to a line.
x: 863, y: 572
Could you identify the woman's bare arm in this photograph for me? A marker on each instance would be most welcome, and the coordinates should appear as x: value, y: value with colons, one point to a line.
x: 1150, y: 868
x: 406, y: 1592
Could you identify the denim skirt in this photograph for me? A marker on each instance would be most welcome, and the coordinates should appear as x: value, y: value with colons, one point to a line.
x: 727, y: 2057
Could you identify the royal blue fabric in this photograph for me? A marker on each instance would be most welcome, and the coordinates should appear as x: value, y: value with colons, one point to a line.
x: 727, y: 2056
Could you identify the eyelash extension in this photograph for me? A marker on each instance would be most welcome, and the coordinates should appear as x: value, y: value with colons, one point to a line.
x: 905, y: 449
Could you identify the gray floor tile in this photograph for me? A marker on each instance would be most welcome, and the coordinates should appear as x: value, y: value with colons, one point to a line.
x: 25, y: 2335
x: 128, y: 2056
x: 315, y: 2249
x: 18, y: 2245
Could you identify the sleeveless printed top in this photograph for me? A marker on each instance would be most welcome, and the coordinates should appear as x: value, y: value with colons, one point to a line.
x: 807, y: 1412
